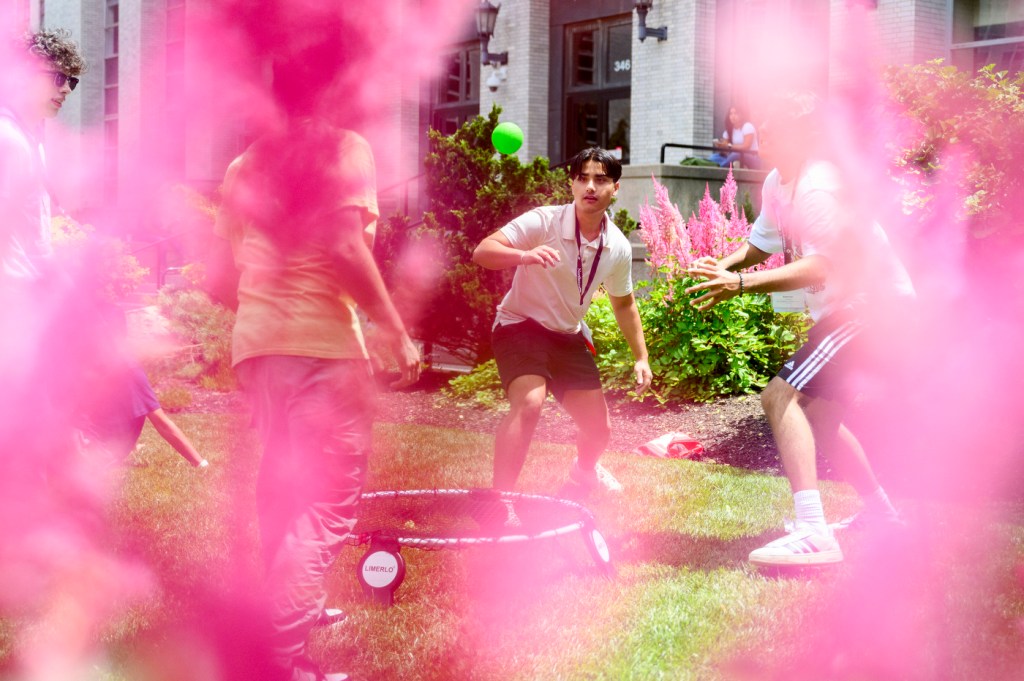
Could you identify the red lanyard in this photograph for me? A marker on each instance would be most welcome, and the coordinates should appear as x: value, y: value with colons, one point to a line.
x: 579, y: 261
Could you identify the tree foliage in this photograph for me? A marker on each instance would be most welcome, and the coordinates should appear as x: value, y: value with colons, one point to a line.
x: 472, y: 191
x: 99, y: 264
x: 971, y: 125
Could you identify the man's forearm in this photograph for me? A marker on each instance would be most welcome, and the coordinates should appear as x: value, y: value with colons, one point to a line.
x: 747, y: 255
x: 628, y: 319
x: 361, y: 279
x: 808, y: 271
x: 495, y: 255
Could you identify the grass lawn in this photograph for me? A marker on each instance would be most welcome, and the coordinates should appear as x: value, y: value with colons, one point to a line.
x: 684, y: 605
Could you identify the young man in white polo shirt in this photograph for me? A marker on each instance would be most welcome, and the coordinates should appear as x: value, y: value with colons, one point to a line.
x: 561, y: 255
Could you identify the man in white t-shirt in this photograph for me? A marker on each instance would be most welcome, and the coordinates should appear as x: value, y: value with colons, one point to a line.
x: 852, y: 280
x: 32, y: 89
x: 561, y: 255
x: 37, y: 348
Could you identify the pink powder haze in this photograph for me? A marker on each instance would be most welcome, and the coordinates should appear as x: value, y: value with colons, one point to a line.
x: 944, y: 430
x: 62, y: 577
x: 944, y: 427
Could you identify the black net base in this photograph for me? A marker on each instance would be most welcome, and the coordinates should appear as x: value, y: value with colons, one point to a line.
x: 455, y: 518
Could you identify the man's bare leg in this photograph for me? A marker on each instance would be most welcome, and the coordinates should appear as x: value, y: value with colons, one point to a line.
x: 811, y: 542
x: 840, y: 445
x: 794, y: 437
x: 526, y: 395
x: 844, y: 450
x: 589, y: 412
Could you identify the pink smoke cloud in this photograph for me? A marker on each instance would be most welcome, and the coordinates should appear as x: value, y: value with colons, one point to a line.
x: 60, y: 570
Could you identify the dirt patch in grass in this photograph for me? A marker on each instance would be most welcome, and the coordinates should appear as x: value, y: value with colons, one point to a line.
x: 733, y: 430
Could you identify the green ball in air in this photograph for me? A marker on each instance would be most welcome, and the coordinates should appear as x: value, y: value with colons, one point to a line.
x: 507, y: 138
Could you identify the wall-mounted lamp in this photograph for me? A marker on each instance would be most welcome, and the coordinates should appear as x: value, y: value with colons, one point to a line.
x: 642, y: 8
x: 486, y: 15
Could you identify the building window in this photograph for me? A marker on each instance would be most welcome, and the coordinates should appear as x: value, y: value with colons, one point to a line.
x: 456, y: 93
x: 175, y: 87
x: 598, y: 77
x: 988, y: 32
x: 110, y: 98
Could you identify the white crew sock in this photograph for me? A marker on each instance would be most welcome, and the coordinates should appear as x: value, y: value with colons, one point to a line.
x: 809, y: 510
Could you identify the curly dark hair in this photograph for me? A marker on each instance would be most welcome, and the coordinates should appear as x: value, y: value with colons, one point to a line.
x: 57, y: 46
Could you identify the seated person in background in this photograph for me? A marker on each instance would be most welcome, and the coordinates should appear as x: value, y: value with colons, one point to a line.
x: 735, y: 140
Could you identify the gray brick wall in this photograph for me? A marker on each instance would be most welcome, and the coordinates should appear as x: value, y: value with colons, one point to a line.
x: 673, y: 80
x: 523, y: 30
x: 83, y: 110
x: 908, y: 32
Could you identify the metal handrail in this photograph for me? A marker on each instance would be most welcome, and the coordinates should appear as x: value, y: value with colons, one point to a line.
x: 701, y: 147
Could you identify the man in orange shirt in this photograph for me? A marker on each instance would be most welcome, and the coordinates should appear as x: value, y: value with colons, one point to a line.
x: 297, y: 205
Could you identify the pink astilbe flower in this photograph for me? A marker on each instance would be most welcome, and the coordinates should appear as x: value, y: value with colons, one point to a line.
x: 707, y: 228
x: 727, y: 196
x: 664, y: 234
x: 715, y: 230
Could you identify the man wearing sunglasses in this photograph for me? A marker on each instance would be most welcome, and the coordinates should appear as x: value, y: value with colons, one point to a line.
x: 41, y: 70
x: 44, y: 491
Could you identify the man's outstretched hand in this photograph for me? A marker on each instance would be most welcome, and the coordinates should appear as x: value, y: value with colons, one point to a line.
x: 642, y: 370
x: 719, y: 283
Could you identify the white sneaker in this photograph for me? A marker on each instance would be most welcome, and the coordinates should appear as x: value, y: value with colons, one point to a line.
x: 588, y: 481
x: 606, y: 479
x: 804, y: 546
x: 329, y: 617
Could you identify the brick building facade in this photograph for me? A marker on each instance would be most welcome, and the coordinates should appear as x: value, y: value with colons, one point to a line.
x: 577, y: 74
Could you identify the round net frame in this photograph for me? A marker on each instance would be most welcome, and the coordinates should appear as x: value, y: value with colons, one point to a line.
x: 435, y: 519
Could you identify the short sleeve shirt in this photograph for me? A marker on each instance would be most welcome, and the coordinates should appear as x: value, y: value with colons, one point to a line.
x: 117, y: 420
x: 551, y: 296
x: 24, y: 202
x: 292, y: 303
x: 738, y: 134
x: 810, y: 216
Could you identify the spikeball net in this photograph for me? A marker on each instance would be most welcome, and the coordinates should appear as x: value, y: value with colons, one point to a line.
x: 438, y: 519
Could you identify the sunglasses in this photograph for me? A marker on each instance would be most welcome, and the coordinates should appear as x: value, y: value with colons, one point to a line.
x: 60, y: 78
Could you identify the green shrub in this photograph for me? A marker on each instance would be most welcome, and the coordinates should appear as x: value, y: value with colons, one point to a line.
x: 472, y: 192
x: 624, y: 222
x: 101, y: 263
x: 699, y: 162
x: 482, y: 386
x: 734, y: 348
x: 205, y: 327
x: 175, y: 398
x: 967, y: 130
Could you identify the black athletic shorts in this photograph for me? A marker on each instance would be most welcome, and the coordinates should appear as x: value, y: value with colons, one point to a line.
x: 529, y: 349
x: 827, y: 366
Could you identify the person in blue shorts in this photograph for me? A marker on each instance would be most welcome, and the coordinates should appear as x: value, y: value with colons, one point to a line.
x: 115, y: 423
